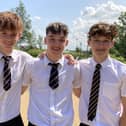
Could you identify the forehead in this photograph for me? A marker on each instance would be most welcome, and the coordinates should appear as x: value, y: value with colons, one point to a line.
x: 101, y: 37
x: 61, y: 34
x: 8, y: 31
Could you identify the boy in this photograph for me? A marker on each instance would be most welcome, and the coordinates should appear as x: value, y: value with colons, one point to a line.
x: 12, y: 64
x: 101, y: 97
x: 51, y: 81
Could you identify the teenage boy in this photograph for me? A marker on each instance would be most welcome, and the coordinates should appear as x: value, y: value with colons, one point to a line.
x: 104, y: 90
x: 51, y: 80
x: 12, y: 64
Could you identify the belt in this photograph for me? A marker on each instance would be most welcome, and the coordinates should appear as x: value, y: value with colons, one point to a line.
x: 30, y: 124
x: 82, y: 124
x: 17, y: 121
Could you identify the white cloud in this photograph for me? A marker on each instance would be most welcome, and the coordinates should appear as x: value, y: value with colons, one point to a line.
x: 37, y: 17
x: 106, y: 12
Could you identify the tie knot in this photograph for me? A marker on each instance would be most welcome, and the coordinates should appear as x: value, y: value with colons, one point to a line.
x: 6, y: 58
x: 55, y: 65
x: 98, y: 66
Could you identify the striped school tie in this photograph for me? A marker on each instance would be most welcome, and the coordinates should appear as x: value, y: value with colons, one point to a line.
x: 6, y: 73
x: 54, y: 80
x: 93, y: 100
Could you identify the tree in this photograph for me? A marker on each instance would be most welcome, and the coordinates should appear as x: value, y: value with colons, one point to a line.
x: 28, y: 34
x: 120, y: 44
x: 40, y: 41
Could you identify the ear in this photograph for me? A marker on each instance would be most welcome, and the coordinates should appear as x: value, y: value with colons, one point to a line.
x: 45, y: 40
x: 88, y: 42
x: 112, y: 43
x: 67, y: 41
x: 19, y: 35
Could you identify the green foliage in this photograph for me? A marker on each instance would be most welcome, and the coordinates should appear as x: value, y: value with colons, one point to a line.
x: 120, y: 44
x: 28, y: 35
x: 34, y: 52
x: 78, y: 55
x: 39, y: 42
x: 120, y: 58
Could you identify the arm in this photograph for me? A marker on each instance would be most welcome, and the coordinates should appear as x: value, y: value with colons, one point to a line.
x: 24, y: 88
x: 77, y: 92
x: 69, y: 57
x: 123, y: 116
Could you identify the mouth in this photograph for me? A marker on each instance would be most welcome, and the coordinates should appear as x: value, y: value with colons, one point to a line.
x: 56, y: 49
x: 9, y: 45
x: 100, y: 50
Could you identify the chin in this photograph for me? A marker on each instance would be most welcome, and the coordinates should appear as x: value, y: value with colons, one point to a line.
x: 9, y: 49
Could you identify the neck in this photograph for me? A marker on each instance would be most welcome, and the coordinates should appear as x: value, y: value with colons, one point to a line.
x: 100, y: 59
x: 6, y: 53
x: 53, y: 58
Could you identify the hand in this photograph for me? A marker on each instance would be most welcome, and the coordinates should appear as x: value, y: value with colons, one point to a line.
x: 41, y: 55
x: 70, y: 58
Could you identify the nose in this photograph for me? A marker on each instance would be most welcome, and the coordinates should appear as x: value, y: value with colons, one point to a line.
x: 57, y: 42
x: 101, y: 43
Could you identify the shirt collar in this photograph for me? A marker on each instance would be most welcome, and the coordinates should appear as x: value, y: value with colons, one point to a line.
x: 60, y: 61
x: 106, y: 63
x: 13, y: 55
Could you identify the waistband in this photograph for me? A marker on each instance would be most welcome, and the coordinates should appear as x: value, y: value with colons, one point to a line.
x: 17, y: 121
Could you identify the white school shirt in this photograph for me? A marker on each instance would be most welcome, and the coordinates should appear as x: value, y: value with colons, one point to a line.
x: 112, y: 87
x: 48, y: 107
x: 10, y: 100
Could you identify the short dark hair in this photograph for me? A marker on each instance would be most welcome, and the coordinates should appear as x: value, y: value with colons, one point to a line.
x: 57, y: 28
x: 103, y: 29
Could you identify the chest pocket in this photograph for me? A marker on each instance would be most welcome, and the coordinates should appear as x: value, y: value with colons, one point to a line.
x: 111, y: 90
x: 17, y: 72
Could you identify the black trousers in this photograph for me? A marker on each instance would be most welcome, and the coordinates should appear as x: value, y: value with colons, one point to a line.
x: 17, y: 121
x: 82, y: 124
x: 30, y: 124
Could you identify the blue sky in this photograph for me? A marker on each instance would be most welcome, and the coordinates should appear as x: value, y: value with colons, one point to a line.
x: 79, y: 15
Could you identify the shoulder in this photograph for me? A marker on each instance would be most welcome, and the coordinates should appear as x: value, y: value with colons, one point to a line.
x: 119, y: 65
x: 84, y: 61
x: 22, y: 55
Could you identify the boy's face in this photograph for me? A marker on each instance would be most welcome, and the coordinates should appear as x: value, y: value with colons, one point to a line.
x: 100, y: 46
x: 8, y: 40
x: 56, y: 44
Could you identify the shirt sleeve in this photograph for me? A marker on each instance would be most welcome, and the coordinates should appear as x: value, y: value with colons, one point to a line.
x: 123, y: 81
x: 27, y: 72
x: 76, y: 82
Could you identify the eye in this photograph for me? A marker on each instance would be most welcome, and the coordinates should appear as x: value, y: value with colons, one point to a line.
x: 106, y: 42
x: 13, y: 35
x: 62, y: 40
x: 4, y: 33
x: 51, y: 39
x: 96, y: 41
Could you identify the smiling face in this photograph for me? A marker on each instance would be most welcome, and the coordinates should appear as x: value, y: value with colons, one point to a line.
x: 56, y: 40
x: 11, y: 27
x: 8, y: 40
x: 100, y: 46
x: 56, y: 44
x: 100, y: 39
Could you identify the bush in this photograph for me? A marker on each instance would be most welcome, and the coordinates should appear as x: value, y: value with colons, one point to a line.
x: 79, y: 55
x: 120, y: 58
x: 34, y: 52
